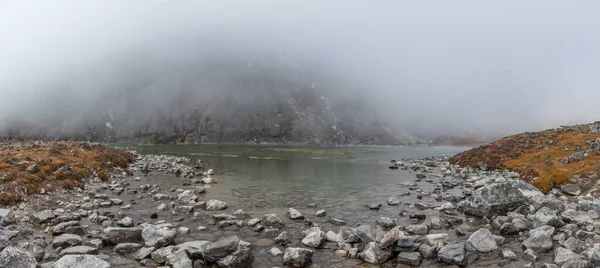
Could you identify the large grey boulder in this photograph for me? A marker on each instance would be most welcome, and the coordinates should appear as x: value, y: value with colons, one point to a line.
x: 481, y: 241
x: 158, y: 235
x: 79, y: 261
x: 214, y: 204
x: 546, y: 216
x: 540, y: 239
x: 16, y: 258
x: 374, y: 254
x: 42, y: 216
x: 61, y: 227
x: 297, y: 257
x: 220, y: 248
x: 313, y: 237
x: 178, y: 259
x: 500, y: 197
x: 575, y: 216
x: 452, y: 254
x: 116, y: 235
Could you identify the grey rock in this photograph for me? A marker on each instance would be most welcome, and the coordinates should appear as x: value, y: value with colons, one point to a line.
x: 216, y: 205
x: 540, y: 239
x: 66, y: 240
x: 294, y: 214
x: 178, y: 259
x: 16, y: 258
x: 452, y: 254
x: 144, y: 252
x: 186, y: 197
x: 390, y: 238
x: 297, y: 257
x: 393, y: 201
x: 126, y: 248
x: 283, y: 238
x: 571, y: 189
x: 410, y: 258
x: 253, y: 222
x: 321, y: 213
x: 366, y: 233
x: 575, y: 216
x: 576, y: 263
x: 160, y: 255
x: 116, y: 235
x: 125, y: 222
x: 427, y: 251
x: 313, y: 237
x: 60, y: 228
x: 529, y: 255
x: 79, y: 250
x: 374, y: 254
x: 271, y: 220
x: 349, y: 235
x: 546, y: 216
x: 386, y: 223
x: 158, y: 235
x: 375, y: 206
x: 508, y: 255
x: 405, y: 241
x: 419, y: 229
x: 42, y: 217
x: 335, y: 221
x: 573, y: 244
x: 78, y: 261
x: 238, y: 259
x: 499, y: 198
x: 481, y: 241
x: 220, y: 248
x: 562, y: 255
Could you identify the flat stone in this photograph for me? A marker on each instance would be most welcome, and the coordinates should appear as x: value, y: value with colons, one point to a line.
x: 76, y: 261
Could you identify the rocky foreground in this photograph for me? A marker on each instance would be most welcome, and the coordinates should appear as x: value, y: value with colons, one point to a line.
x: 88, y: 227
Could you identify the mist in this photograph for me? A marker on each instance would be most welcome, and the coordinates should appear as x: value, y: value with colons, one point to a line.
x: 428, y: 68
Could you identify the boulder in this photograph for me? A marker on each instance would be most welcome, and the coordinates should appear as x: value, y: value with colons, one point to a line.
x: 452, y: 254
x: 238, y: 259
x: 571, y: 189
x: 116, y: 235
x: 78, y: 261
x: 481, y: 241
x: 348, y: 235
x: 294, y: 214
x: 186, y: 197
x: 158, y: 235
x: 283, y: 238
x: 42, y: 217
x: 374, y: 254
x: 271, y: 220
x: 16, y: 258
x: 178, y: 259
x: 391, y: 237
x: 546, y: 216
x: 214, y: 204
x: 410, y: 258
x: 220, y: 248
x: 562, y: 255
x: 500, y: 197
x: 79, y: 250
x: 540, y: 239
x: 297, y: 257
x: 575, y: 216
x: 125, y: 222
x: 313, y: 237
x: 66, y: 240
x: 61, y: 227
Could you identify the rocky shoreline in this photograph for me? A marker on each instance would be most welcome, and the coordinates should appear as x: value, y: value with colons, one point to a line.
x: 508, y: 223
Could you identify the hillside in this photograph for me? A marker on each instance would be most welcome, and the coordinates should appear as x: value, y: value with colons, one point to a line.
x: 546, y: 159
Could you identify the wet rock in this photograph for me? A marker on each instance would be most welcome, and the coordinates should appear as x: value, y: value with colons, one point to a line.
x: 253, y: 222
x: 311, y: 205
x: 366, y: 233
x: 78, y: 250
x: 178, y: 259
x: 546, y: 216
x: 271, y: 220
x: 186, y: 197
x: 313, y: 237
x: 283, y: 239
x: 220, y: 248
x: 452, y: 254
x: 571, y: 189
x: 297, y: 257
x: 209, y: 180
x: 393, y: 201
x: 481, y: 241
x: 321, y: 213
x: 158, y: 235
x: 238, y: 259
x: 419, y: 229
x: 540, y: 239
x: 410, y: 258
x: 42, y: 217
x: 390, y: 238
x: 73, y: 261
x: 386, y: 223
x: 375, y: 206
x: 214, y: 204
x: 17, y: 258
x: 374, y: 254
x: 514, y: 227
x: 335, y: 221
x: 294, y: 214
x: 508, y: 255
x: 116, y: 235
x: 562, y: 255
x: 125, y: 222
x: 499, y: 198
x: 144, y: 253
x: 349, y: 235
x: 66, y: 240
x: 427, y: 251
x: 434, y: 239
x: 576, y: 263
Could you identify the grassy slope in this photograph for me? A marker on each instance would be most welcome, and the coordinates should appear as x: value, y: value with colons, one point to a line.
x: 546, y: 159
x: 61, y: 165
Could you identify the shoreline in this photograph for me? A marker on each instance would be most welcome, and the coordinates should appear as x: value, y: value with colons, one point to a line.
x: 443, y: 226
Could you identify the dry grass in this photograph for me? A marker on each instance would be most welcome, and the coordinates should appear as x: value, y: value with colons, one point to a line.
x: 61, y: 165
x: 546, y: 159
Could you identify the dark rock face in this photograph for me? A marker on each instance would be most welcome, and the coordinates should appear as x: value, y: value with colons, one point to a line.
x: 499, y: 198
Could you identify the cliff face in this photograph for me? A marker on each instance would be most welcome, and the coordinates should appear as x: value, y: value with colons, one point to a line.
x: 227, y: 103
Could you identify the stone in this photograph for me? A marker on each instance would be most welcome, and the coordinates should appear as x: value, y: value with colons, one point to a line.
x: 571, y: 189
x: 275, y: 252
x: 366, y: 233
x: 500, y: 197
x: 60, y: 228
x: 126, y: 248
x: 349, y: 235
x: 79, y: 250
x: 294, y: 214
x: 529, y: 255
x: 313, y: 237
x: 186, y: 197
x: 283, y: 238
x: 66, y: 240
x: 393, y: 201
x: 220, y: 248
x: 419, y: 229
x: 540, y: 239
x: 562, y: 255
x: 410, y: 258
x: 374, y: 254
x: 321, y: 213
x: 238, y: 259
x: 125, y: 222
x: 434, y: 239
x: 575, y: 216
x: 160, y: 255
x: 576, y: 263
x: 144, y: 253
x: 508, y: 255
x: 297, y: 257
x: 253, y: 222
x: 158, y: 235
x: 375, y: 206
x: 17, y: 258
x: 481, y: 241
x: 386, y: 223
x: 335, y: 221
x: 573, y: 244
x: 213, y: 204
x: 452, y: 254
x: 390, y: 238
x: 546, y: 216
x: 42, y: 217
x: 514, y: 227
x: 427, y: 251
x: 405, y: 241
x: 178, y: 259
x: 271, y: 220
x: 77, y: 261
x: 116, y: 235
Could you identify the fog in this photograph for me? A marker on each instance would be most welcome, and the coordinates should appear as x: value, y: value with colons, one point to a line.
x: 425, y: 67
